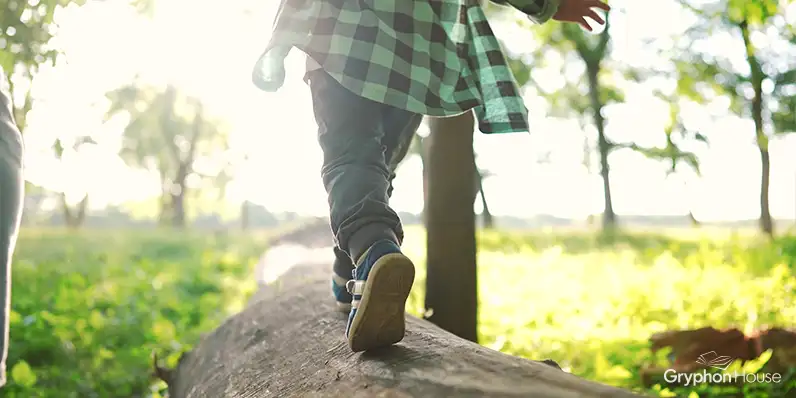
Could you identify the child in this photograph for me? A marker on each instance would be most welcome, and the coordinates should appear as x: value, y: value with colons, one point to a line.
x: 10, y: 209
x: 375, y: 67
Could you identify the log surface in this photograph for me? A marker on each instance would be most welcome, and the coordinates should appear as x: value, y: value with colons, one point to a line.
x: 289, y: 342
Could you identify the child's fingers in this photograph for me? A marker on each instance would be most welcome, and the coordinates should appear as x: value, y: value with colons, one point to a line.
x: 597, y: 4
x: 596, y: 17
x: 584, y: 24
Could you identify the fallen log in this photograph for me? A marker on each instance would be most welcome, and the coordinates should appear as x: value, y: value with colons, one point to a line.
x: 289, y: 342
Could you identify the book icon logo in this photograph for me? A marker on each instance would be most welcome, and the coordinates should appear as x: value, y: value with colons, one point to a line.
x: 715, y: 360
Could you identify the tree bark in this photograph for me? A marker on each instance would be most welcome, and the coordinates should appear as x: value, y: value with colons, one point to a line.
x: 451, y: 280
x: 486, y: 216
x: 178, y: 198
x: 72, y: 220
x: 423, y: 152
x: 609, y: 217
x: 766, y: 223
x: 289, y: 342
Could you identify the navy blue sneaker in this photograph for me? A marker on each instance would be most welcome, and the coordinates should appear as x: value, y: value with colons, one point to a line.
x: 342, y: 271
x: 382, y: 280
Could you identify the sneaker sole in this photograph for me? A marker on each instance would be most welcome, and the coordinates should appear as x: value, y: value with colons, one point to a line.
x: 379, y: 320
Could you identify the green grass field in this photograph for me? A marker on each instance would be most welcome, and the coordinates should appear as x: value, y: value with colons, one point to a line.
x: 90, y: 308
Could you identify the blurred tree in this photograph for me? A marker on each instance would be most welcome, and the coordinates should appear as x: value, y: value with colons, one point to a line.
x: 26, y: 27
x: 487, y: 221
x: 170, y: 134
x: 584, y: 97
x: 451, y: 277
x: 419, y: 148
x: 73, y: 218
x: 704, y: 72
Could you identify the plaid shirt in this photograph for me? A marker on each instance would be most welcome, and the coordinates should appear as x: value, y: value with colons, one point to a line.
x: 433, y: 57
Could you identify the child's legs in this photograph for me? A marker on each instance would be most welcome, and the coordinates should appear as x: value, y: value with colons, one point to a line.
x: 401, y: 127
x: 355, y: 173
x: 399, y: 132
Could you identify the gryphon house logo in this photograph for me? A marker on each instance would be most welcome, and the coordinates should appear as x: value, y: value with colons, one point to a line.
x: 715, y: 360
x: 712, y: 360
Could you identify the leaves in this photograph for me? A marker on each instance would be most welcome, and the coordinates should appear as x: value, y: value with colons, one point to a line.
x: 23, y: 375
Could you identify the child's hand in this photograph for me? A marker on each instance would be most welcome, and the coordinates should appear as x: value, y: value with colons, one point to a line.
x: 577, y: 10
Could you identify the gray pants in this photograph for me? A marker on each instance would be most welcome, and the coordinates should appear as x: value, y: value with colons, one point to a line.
x: 11, y: 190
x: 363, y: 142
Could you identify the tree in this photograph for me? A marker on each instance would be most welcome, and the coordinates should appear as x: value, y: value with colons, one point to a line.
x: 584, y: 98
x: 420, y: 149
x: 704, y: 74
x: 451, y: 275
x: 487, y: 221
x: 169, y: 133
x: 73, y: 218
x: 26, y: 28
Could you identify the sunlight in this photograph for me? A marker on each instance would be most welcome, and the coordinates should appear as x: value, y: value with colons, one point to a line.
x: 277, y: 131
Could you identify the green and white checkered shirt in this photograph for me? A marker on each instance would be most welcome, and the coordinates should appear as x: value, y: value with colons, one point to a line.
x: 433, y: 57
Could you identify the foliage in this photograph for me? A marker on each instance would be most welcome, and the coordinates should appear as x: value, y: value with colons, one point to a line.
x: 591, y: 303
x: 89, y: 309
x: 26, y: 28
x: 704, y: 73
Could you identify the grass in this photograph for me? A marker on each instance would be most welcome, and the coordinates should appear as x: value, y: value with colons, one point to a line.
x: 591, y: 303
x: 90, y: 308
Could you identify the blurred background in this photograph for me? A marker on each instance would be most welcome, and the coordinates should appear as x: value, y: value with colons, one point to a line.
x: 655, y: 192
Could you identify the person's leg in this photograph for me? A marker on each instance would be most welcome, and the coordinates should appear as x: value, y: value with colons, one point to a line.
x: 11, y: 188
x: 398, y: 135
x: 356, y: 176
x: 354, y: 172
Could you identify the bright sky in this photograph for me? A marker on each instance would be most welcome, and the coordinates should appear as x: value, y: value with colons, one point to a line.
x: 209, y: 51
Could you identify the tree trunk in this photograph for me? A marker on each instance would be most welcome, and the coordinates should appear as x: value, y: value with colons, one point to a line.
x: 451, y: 280
x: 487, y: 220
x: 693, y: 219
x: 82, y: 207
x: 244, y: 215
x: 178, y: 210
x: 695, y: 223
x: 766, y: 223
x: 289, y: 342
x: 72, y: 220
x: 165, y: 196
x: 609, y: 217
x: 423, y: 152
x: 178, y: 198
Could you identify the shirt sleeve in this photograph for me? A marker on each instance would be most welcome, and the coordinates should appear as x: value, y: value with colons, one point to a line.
x: 538, y: 11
